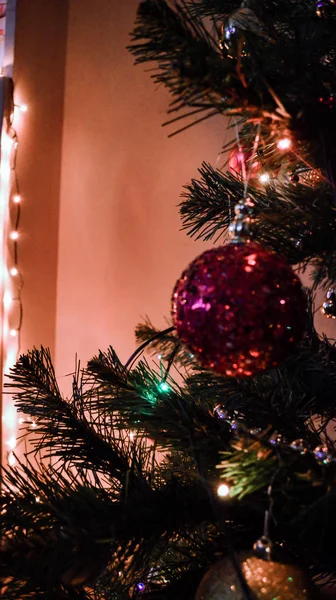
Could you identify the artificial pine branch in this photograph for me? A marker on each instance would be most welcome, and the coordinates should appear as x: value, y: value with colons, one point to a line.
x: 305, y: 233
x: 63, y: 430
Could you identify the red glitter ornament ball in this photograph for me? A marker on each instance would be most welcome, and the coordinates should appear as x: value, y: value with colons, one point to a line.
x: 239, y: 308
x: 239, y: 157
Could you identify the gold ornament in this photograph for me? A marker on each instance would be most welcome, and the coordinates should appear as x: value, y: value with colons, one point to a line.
x: 311, y: 178
x: 267, y: 580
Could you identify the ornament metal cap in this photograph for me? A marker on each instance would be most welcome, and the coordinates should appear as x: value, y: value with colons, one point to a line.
x: 263, y: 548
x: 240, y: 228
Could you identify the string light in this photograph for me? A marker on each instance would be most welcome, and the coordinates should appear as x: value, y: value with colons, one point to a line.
x: 13, y: 271
x: 7, y: 299
x: 265, y: 178
x: 23, y: 108
x: 11, y: 443
x: 17, y: 197
x: 223, y: 490
x: 11, y: 459
x: 164, y: 387
x: 284, y: 144
x: 13, y: 332
x: 14, y: 235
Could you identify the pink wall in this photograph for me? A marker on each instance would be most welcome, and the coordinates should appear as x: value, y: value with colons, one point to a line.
x: 120, y: 249
x: 39, y: 72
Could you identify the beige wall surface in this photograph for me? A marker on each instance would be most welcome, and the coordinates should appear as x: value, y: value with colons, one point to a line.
x: 120, y: 248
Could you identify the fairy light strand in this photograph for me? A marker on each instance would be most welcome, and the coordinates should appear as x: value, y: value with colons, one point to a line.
x: 13, y: 279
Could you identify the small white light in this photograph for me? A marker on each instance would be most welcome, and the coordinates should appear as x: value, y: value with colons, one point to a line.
x: 264, y: 178
x: 223, y: 490
x: 7, y: 299
x: 11, y: 443
x: 13, y: 271
x: 11, y: 459
x: 37, y: 499
x: 21, y: 421
x: 14, y: 235
x: 131, y: 436
x: 284, y: 144
x: 13, y: 332
x: 17, y: 198
x: 23, y: 108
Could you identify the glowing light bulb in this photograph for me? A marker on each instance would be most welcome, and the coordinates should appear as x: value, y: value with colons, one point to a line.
x: 11, y: 443
x: 13, y: 271
x: 17, y: 198
x: 13, y: 332
x: 23, y: 108
x: 131, y: 436
x: 11, y: 459
x: 37, y: 499
x: 285, y: 143
x: 14, y: 235
x: 223, y: 490
x: 164, y: 387
x: 9, y: 417
x: 7, y: 299
x: 264, y: 178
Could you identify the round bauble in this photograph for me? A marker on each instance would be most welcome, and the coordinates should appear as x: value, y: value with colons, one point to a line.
x: 239, y: 308
x: 267, y: 580
x: 242, y: 157
x: 329, y: 305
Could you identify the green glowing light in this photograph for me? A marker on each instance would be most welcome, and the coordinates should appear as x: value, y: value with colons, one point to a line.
x: 164, y: 387
x: 290, y: 579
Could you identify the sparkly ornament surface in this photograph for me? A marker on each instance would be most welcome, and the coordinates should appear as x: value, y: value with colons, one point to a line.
x: 239, y: 308
x: 240, y: 158
x: 323, y: 455
x: 329, y: 305
x: 267, y: 580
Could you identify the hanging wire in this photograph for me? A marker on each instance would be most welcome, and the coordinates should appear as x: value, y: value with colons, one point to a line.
x: 246, y: 175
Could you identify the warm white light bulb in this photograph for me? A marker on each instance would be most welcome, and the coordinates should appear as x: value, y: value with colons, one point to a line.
x: 13, y: 271
x: 23, y: 108
x: 264, y: 178
x: 284, y: 144
x: 223, y: 490
x: 17, y: 198
x: 14, y: 235
x: 11, y: 459
x: 13, y: 332
x: 7, y: 299
x: 11, y: 443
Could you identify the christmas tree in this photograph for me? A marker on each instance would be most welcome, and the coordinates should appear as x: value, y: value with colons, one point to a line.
x: 209, y: 470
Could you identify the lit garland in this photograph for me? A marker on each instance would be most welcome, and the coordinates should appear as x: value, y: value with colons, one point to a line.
x: 11, y: 280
